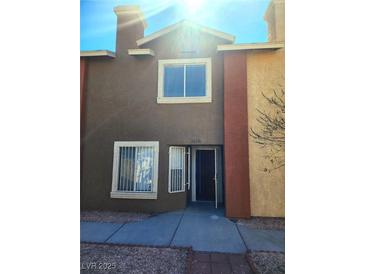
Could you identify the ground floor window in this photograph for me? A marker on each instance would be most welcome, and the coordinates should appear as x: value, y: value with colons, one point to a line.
x: 176, y: 169
x: 135, y: 170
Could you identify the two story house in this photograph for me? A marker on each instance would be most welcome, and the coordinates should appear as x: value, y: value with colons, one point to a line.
x: 165, y: 119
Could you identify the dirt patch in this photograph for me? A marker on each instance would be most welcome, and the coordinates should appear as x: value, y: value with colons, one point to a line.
x: 112, y: 216
x: 102, y: 258
x: 267, y: 262
x: 264, y: 223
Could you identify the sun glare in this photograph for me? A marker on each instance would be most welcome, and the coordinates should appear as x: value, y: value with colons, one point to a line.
x: 192, y: 6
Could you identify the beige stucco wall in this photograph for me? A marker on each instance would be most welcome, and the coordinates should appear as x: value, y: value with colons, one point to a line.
x: 265, y: 70
x: 275, y: 18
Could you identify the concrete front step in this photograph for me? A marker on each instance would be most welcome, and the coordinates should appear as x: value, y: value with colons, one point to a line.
x: 206, y: 231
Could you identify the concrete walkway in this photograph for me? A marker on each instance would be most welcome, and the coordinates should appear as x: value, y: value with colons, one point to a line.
x: 202, y: 228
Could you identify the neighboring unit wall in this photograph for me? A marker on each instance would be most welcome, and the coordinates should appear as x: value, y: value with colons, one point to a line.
x: 265, y: 72
x: 275, y: 18
x: 83, y: 73
x: 83, y: 77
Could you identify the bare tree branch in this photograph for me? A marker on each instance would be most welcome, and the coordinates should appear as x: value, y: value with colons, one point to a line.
x: 270, y: 133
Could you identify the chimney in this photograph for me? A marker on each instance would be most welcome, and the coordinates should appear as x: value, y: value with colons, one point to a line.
x: 130, y: 27
x: 275, y: 18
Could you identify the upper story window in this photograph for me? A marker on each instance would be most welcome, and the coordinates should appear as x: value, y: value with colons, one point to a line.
x: 185, y: 81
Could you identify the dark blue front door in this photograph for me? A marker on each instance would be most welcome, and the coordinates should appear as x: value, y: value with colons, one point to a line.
x: 205, y: 172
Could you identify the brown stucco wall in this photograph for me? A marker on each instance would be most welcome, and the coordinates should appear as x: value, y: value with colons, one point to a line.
x: 265, y: 71
x: 121, y: 106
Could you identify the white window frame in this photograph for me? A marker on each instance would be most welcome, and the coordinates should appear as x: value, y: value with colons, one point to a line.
x: 193, y: 99
x: 183, y: 169
x: 115, y: 193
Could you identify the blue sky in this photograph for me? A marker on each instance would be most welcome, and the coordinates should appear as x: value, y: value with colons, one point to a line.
x: 242, y: 18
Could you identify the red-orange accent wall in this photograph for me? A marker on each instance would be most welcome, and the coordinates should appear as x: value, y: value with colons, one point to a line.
x: 236, y: 161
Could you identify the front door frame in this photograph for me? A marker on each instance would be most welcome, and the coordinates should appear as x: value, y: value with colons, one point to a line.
x: 193, y: 173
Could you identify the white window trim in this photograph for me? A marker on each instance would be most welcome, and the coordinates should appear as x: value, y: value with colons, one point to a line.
x: 183, y: 171
x: 180, y: 100
x: 115, y: 193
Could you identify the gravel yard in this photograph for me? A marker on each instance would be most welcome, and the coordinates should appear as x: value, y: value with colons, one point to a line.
x: 101, y: 258
x: 267, y: 262
x: 112, y: 216
x: 264, y: 223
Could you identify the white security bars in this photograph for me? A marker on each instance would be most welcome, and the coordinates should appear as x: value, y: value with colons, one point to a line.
x: 135, y: 170
x: 176, y: 169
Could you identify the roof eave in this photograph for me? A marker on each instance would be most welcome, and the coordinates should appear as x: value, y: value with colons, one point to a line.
x: 228, y: 37
x: 253, y: 46
x: 97, y: 53
x: 141, y: 52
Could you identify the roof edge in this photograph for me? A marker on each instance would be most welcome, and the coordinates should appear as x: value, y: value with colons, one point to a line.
x: 251, y: 46
x: 95, y: 53
x: 168, y: 29
x: 136, y: 52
